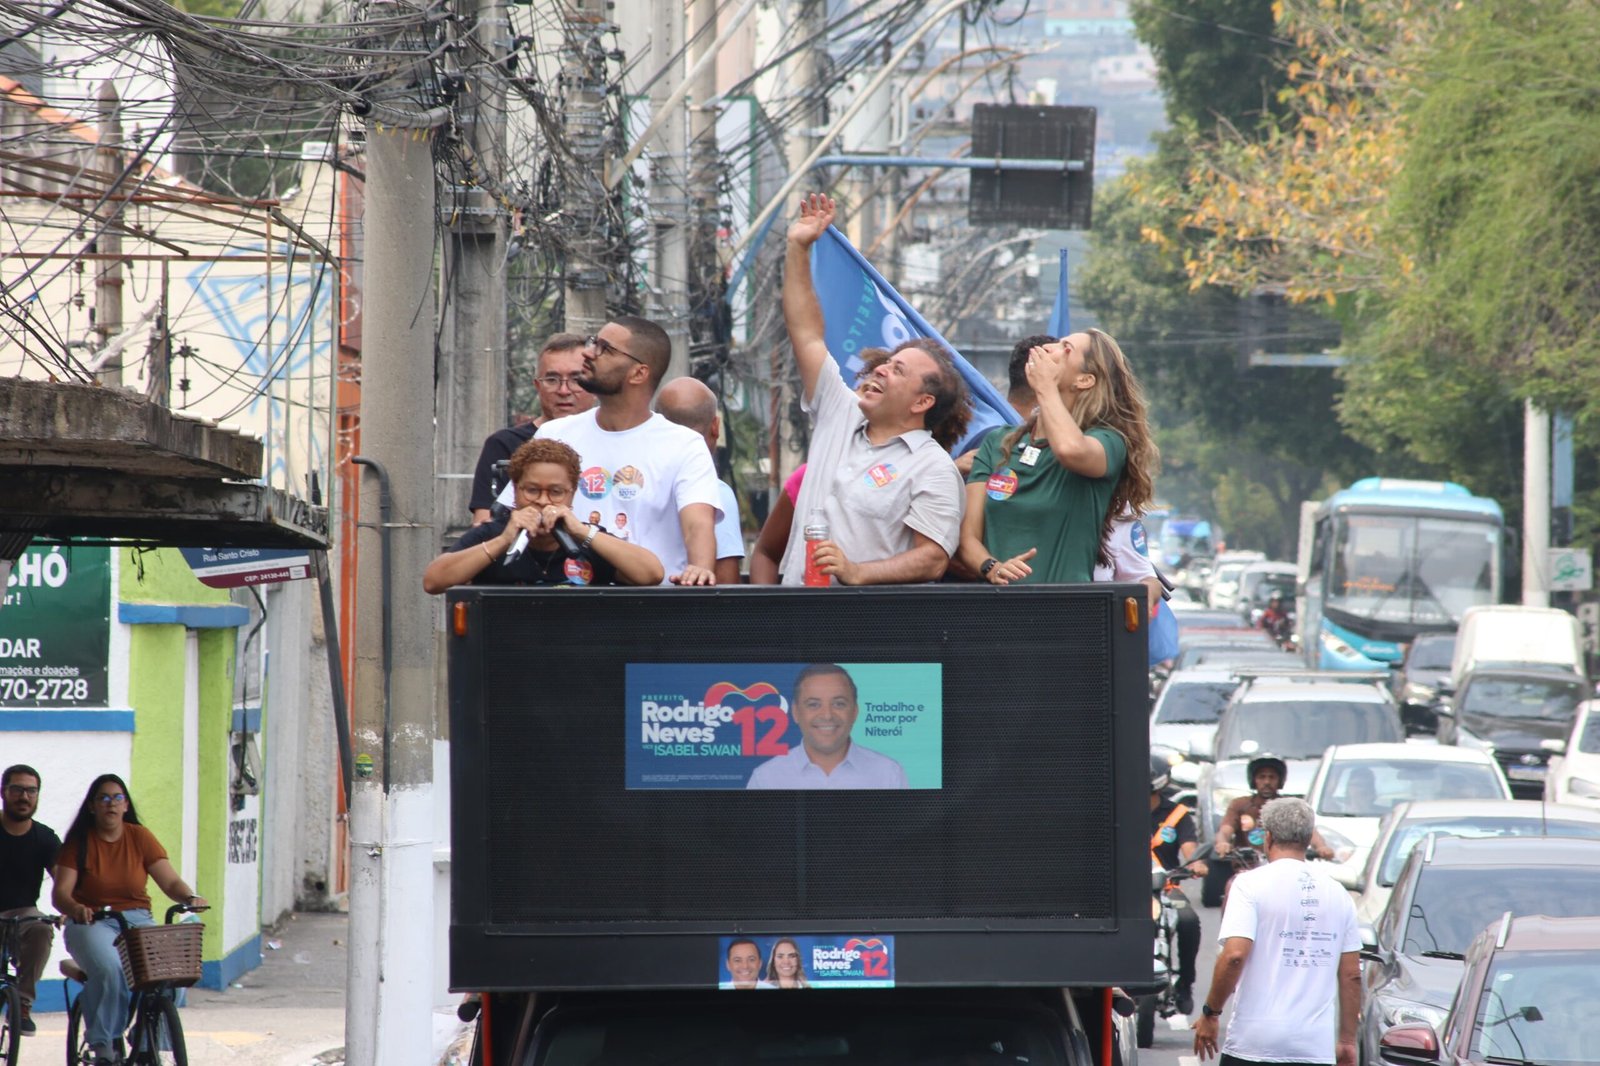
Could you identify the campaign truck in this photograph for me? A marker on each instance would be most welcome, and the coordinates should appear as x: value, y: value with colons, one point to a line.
x: 924, y: 809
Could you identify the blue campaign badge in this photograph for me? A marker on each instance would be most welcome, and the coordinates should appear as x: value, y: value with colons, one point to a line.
x: 1139, y: 539
x: 1258, y: 837
x: 1168, y: 834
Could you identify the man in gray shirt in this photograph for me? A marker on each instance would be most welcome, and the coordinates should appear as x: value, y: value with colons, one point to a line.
x: 878, y: 468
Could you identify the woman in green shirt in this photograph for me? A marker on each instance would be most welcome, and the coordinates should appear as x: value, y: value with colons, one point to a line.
x: 1041, y: 496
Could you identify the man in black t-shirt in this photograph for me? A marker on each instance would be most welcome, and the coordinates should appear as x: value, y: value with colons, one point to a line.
x: 560, y: 395
x: 27, y: 850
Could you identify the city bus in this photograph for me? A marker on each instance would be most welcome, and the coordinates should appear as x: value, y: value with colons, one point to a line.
x: 1388, y: 559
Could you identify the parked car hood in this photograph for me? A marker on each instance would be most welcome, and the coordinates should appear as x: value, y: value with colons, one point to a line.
x: 1230, y: 774
x: 1185, y: 736
x: 1425, y: 980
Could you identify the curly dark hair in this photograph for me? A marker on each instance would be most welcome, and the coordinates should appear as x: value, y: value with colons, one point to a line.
x: 542, y: 450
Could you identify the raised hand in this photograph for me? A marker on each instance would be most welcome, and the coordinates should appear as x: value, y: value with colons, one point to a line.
x: 816, y: 215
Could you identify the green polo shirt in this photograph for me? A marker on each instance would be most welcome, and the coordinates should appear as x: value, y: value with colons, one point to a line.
x: 1046, y: 506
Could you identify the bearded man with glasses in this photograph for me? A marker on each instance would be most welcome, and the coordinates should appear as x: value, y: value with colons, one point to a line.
x: 27, y: 852
x: 556, y: 381
x: 636, y: 463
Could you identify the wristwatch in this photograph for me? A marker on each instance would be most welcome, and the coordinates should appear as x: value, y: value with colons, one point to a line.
x: 988, y: 565
x: 1205, y: 1009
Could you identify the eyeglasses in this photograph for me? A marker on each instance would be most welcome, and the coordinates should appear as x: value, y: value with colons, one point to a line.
x: 601, y: 346
x: 555, y: 381
x: 23, y: 790
x: 108, y: 798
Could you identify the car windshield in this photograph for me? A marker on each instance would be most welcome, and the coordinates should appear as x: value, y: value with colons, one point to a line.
x: 788, y: 1031
x: 1303, y: 729
x: 1408, y: 570
x: 1408, y: 835
x: 1198, y: 702
x: 1452, y: 904
x: 1267, y: 584
x: 1522, y: 697
x: 1370, y: 788
x: 1432, y: 654
x: 1589, y: 741
x: 1538, y: 1006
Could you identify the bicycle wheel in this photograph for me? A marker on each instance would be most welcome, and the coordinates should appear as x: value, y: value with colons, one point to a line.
x: 77, y: 1033
x: 10, y: 1025
x: 160, y: 1040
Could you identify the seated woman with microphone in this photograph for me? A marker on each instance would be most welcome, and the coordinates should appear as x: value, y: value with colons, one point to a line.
x: 542, y: 542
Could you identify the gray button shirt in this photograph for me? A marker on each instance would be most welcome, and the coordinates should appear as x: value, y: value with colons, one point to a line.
x: 875, y: 496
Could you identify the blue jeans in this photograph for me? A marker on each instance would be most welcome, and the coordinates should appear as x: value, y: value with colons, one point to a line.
x: 104, y: 1003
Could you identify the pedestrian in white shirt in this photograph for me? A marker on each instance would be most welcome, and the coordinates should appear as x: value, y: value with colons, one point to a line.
x: 636, y: 463
x: 1291, y: 950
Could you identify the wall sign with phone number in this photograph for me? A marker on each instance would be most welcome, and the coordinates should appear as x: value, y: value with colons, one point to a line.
x: 55, y: 628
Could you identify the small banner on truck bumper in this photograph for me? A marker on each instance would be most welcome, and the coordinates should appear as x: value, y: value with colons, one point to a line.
x: 806, y: 962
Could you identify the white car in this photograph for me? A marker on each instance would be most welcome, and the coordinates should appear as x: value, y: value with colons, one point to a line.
x: 1357, y: 784
x: 1186, y: 713
x: 1574, y: 775
x: 1224, y: 586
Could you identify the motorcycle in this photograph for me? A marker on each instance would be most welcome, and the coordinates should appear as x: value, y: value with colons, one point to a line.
x: 1280, y: 629
x: 1164, y: 905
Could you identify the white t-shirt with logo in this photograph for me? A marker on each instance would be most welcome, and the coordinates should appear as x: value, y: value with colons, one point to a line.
x: 1128, y: 547
x: 1301, y: 921
x: 638, y: 480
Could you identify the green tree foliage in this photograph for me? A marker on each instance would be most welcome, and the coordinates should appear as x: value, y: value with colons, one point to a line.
x: 1242, y: 445
x: 1215, y: 59
x: 1498, y: 206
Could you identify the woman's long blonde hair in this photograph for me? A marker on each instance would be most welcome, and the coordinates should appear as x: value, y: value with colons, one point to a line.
x: 1115, y: 401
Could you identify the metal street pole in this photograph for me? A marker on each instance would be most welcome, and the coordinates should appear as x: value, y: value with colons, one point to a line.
x: 389, y: 1015
x: 705, y: 167
x: 108, y: 279
x: 1535, y: 506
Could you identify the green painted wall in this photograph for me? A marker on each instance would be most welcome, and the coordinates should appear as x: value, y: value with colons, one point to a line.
x: 155, y: 691
x: 162, y: 576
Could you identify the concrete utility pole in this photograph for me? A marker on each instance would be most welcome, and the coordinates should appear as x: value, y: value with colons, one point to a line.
x: 389, y: 1017
x: 470, y: 401
x: 108, y: 278
x: 705, y: 169
x: 669, y: 189
x: 583, y: 71
x: 1535, y: 506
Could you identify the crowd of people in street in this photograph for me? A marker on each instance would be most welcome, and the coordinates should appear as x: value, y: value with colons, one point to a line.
x: 615, y: 482
x: 104, y: 865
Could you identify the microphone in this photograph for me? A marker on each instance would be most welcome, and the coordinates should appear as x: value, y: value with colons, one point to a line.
x: 568, y: 541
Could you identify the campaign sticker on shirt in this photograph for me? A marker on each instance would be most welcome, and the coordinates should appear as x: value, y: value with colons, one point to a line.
x: 1258, y: 837
x: 595, y: 482
x: 849, y: 961
x: 578, y: 571
x: 880, y: 474
x: 1169, y: 834
x: 627, y: 482
x: 1002, y: 483
x: 1138, y: 538
x: 784, y: 726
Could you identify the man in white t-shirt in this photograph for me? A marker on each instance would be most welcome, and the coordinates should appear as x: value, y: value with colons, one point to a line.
x: 878, y: 468
x: 1290, y: 948
x: 691, y: 404
x: 635, y: 462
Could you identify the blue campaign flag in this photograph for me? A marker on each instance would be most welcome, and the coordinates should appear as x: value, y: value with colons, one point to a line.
x: 863, y: 311
x: 1060, y: 315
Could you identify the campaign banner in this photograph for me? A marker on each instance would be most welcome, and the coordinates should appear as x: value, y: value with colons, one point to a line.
x: 55, y: 628
x: 784, y: 725
x: 806, y: 962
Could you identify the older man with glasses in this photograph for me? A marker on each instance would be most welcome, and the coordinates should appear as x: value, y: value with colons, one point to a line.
x: 560, y: 366
x: 643, y: 473
x: 27, y: 852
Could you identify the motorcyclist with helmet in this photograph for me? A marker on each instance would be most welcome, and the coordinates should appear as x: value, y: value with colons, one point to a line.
x: 1275, y: 617
x: 1241, y: 822
x: 1173, y: 840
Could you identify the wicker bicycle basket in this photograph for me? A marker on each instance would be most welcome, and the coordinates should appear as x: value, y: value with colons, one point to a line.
x: 161, y: 954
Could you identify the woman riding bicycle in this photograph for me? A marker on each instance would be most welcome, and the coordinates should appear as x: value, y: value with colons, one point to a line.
x: 105, y: 861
